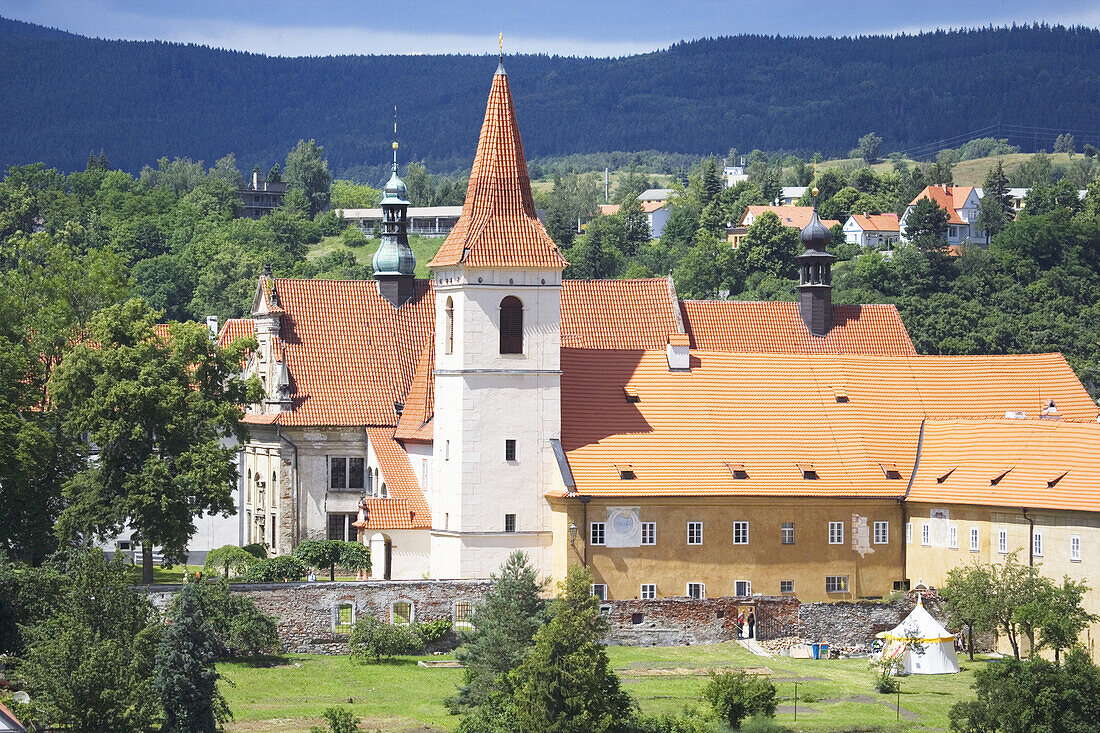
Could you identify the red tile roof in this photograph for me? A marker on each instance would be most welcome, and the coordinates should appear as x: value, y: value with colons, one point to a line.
x: 1042, y: 464
x: 951, y: 200
x: 498, y: 226
x: 416, y: 418
x: 235, y: 328
x: 776, y: 327
x: 877, y: 222
x: 618, y: 314
x: 796, y: 217
x: 772, y: 412
x: 404, y: 508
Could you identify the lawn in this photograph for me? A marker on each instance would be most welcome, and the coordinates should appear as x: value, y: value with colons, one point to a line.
x: 423, y: 247
x: 835, y: 695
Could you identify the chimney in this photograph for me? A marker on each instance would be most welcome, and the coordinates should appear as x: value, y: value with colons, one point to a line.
x: 815, y: 276
x: 678, y: 352
x: 256, y: 176
x: 212, y: 324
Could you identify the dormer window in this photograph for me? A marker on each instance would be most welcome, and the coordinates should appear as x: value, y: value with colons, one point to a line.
x: 737, y: 470
x: 511, y: 325
x: 890, y: 470
x: 626, y: 473
x: 808, y: 471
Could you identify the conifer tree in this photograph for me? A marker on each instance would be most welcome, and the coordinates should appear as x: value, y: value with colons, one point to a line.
x: 186, y: 680
x: 995, y: 210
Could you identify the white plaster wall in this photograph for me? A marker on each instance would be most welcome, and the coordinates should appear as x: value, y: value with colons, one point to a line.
x: 411, y: 553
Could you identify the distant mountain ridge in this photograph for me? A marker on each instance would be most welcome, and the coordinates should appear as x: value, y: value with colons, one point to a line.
x: 63, y: 95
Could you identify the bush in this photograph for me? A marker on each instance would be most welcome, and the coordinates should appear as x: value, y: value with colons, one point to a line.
x: 340, y: 720
x: 229, y: 559
x: 239, y: 626
x: 432, y: 631
x: 279, y: 569
x: 372, y: 639
x: 353, y: 237
x: 761, y: 723
x: 734, y: 697
x: 257, y: 549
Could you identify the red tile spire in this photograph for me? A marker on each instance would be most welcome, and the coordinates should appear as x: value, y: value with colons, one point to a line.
x: 498, y: 226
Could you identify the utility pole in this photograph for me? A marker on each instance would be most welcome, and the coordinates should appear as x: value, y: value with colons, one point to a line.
x: 606, y: 185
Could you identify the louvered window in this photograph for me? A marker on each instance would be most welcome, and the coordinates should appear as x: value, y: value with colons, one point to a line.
x: 511, y: 325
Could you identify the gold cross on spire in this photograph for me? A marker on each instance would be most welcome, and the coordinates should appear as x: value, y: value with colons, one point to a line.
x: 502, y: 44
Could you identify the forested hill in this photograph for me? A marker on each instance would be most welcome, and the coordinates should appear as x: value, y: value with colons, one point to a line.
x: 64, y: 95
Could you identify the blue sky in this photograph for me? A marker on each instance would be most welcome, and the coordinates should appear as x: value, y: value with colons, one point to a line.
x: 569, y: 27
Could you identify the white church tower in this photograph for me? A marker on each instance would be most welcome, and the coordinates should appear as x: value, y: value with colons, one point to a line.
x: 497, y: 282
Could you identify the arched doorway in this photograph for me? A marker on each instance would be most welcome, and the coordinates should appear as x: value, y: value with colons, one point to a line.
x: 381, y: 556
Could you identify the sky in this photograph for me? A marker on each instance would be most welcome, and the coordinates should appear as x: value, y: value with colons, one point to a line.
x: 564, y: 27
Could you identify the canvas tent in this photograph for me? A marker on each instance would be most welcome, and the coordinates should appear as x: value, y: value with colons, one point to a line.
x: 921, y: 644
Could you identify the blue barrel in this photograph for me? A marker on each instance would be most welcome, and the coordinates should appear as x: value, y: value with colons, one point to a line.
x: 817, y: 650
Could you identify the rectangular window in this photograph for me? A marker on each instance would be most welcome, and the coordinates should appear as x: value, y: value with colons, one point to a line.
x: 273, y: 534
x: 925, y: 534
x: 696, y: 590
x: 355, y: 473
x: 882, y: 533
x: 953, y: 537
x: 742, y: 588
x: 509, y: 450
x: 339, y: 527
x: 1074, y: 548
x: 1002, y: 541
x: 401, y: 613
x: 786, y: 533
x: 836, y: 583
x: 596, y: 533
x: 509, y: 522
x: 462, y: 615
x: 346, y: 473
x: 600, y: 591
x: 648, y: 591
x: 1037, y: 544
x: 649, y: 533
x: 836, y: 533
x: 786, y: 586
x: 908, y: 532
x: 740, y: 533
x: 974, y: 539
x: 695, y: 533
x: 343, y: 618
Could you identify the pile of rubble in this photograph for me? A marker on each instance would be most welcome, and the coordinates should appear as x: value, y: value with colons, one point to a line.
x: 775, y: 646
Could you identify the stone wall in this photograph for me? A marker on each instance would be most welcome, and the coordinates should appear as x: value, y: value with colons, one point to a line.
x: 305, y: 610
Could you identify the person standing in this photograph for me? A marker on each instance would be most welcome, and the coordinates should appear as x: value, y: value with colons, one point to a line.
x: 752, y: 625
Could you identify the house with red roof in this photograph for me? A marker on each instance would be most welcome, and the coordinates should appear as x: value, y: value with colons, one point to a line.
x: 878, y: 231
x: 795, y: 217
x: 677, y: 448
x: 961, y: 204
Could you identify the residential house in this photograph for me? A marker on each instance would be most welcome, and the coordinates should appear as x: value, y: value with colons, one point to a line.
x: 789, y: 195
x: 880, y: 231
x: 260, y: 196
x: 427, y: 221
x: 961, y: 204
x: 795, y: 217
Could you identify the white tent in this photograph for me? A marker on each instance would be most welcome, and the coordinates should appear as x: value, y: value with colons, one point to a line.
x: 921, y: 644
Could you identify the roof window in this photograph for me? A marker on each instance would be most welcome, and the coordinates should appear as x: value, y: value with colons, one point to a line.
x: 890, y: 470
x: 626, y: 473
x: 631, y: 397
x: 808, y: 471
x: 941, y: 479
x: 737, y: 470
x: 997, y: 479
x: 841, y: 396
x: 1054, y: 481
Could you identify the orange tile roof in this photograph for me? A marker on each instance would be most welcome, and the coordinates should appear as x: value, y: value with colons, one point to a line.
x: 650, y: 206
x: 618, y: 314
x: 404, y: 508
x: 772, y: 412
x: 161, y: 329
x: 1050, y: 464
x: 609, y: 209
x: 796, y: 217
x: 950, y: 200
x: 776, y: 327
x: 878, y: 222
x: 498, y: 226
x: 351, y: 355
x: 235, y: 328
x: 415, y: 423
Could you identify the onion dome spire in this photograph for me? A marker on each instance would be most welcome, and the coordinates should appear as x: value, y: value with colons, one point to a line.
x: 394, y: 262
x: 815, y: 276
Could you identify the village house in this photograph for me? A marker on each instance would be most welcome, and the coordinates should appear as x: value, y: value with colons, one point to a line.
x: 678, y: 448
x: 794, y: 217
x: 427, y: 221
x: 879, y: 231
x: 961, y: 204
x: 260, y: 196
x: 655, y: 205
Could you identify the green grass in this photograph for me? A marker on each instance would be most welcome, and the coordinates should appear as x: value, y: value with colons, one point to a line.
x: 423, y: 247
x: 164, y: 576
x: 291, y: 694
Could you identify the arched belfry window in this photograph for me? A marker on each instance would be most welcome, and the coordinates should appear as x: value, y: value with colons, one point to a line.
x: 511, y: 325
x: 450, y: 326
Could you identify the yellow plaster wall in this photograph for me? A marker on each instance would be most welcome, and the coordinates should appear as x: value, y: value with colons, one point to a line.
x: 718, y: 563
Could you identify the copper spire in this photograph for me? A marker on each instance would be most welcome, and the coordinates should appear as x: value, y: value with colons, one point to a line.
x: 498, y: 226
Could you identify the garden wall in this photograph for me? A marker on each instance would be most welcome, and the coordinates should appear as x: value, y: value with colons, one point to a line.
x: 306, y: 611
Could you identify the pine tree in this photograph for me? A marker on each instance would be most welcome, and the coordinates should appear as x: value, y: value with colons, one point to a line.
x: 186, y: 680
x: 504, y: 626
x: 566, y: 684
x: 710, y: 181
x: 926, y: 225
x: 635, y: 225
x: 995, y: 210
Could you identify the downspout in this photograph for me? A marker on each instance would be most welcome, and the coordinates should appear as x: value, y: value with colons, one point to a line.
x: 1030, y: 538
x: 293, y: 489
x: 905, y: 507
x: 584, y: 527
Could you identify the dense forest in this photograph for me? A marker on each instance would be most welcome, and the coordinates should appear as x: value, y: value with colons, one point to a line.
x: 138, y: 101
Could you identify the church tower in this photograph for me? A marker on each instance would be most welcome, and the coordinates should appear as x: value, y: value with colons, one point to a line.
x: 394, y: 262
x: 497, y: 282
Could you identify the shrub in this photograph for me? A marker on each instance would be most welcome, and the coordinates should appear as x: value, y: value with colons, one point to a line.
x: 432, y: 631
x: 734, y: 697
x: 761, y: 723
x: 229, y: 558
x: 340, y: 720
x: 256, y: 549
x: 239, y: 626
x: 353, y: 237
x: 276, y: 570
x: 372, y: 639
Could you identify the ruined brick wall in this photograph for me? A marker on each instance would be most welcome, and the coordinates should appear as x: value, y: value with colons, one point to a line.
x: 855, y: 623
x: 683, y: 621
x: 305, y: 610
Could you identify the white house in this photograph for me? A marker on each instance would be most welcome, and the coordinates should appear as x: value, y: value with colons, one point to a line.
x: 881, y: 231
x: 789, y: 195
x: 961, y: 204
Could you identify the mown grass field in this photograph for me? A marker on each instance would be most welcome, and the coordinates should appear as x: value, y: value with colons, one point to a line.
x: 291, y: 692
x: 423, y: 247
